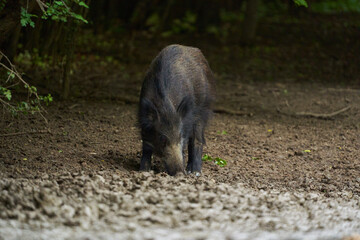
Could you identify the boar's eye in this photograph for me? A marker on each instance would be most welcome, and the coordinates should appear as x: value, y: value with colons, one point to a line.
x: 163, y: 140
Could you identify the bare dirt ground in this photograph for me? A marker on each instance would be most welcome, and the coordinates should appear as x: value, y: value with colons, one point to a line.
x: 288, y: 177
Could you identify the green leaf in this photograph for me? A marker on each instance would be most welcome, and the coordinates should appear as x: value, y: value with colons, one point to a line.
x: 25, y: 18
x: 33, y: 89
x: 47, y: 99
x: 60, y: 3
x: 11, y: 75
x: 220, y: 162
x: 83, y: 4
x: 6, y: 92
x: 206, y: 158
x: 301, y: 3
x: 79, y: 17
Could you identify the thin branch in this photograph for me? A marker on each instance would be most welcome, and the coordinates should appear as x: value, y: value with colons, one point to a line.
x: 316, y: 115
x: 65, y: 5
x: 230, y: 111
x: 12, y: 85
x: 46, y: 121
x: 7, y: 104
x: 322, y: 115
x: 22, y: 133
x: 42, y: 5
x: 351, y: 90
x: 16, y: 73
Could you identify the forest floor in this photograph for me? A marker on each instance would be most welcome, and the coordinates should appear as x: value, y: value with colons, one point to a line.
x: 288, y: 176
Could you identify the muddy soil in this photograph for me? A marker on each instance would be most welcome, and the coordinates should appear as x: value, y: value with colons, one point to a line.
x: 287, y: 177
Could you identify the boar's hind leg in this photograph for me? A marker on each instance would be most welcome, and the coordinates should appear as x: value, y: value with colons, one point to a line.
x: 195, y: 148
x: 145, y: 163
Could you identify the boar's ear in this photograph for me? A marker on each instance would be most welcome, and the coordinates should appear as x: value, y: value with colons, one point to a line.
x: 147, y: 113
x: 185, y: 106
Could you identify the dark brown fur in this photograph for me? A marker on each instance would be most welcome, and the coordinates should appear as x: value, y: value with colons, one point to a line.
x: 175, y: 105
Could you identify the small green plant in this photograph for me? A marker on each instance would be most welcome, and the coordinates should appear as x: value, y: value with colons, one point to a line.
x: 223, y: 132
x: 6, y: 93
x: 153, y: 22
x: 184, y: 25
x: 333, y: 6
x: 59, y: 11
x: 228, y: 25
x: 54, y: 10
x: 25, y: 18
x: 218, y: 161
x: 301, y: 3
x: 12, y: 78
x: 2, y: 4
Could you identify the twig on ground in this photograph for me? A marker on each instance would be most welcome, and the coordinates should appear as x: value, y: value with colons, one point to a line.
x: 352, y: 90
x: 322, y: 115
x: 230, y: 111
x: 21, y: 133
x: 317, y: 115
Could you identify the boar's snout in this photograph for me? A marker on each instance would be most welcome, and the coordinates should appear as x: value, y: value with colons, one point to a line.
x: 174, y: 160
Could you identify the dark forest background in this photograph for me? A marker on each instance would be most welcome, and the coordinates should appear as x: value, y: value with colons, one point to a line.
x: 52, y: 46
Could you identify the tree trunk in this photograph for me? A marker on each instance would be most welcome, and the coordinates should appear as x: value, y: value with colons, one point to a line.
x: 52, y: 31
x: 12, y: 43
x: 33, y: 36
x: 71, y: 30
x: 9, y: 20
x: 69, y: 56
x: 249, y: 25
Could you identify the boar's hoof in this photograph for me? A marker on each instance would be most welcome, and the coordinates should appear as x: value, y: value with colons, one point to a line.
x: 144, y: 169
x: 197, y: 174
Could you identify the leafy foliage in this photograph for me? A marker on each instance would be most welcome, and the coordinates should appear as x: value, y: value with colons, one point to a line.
x: 229, y: 24
x: 6, y: 93
x: 59, y: 11
x: 332, y: 6
x: 218, y: 161
x: 32, y: 105
x: 301, y: 3
x: 2, y: 4
x: 153, y: 22
x: 184, y: 25
x: 26, y: 18
x: 12, y: 78
x: 54, y: 10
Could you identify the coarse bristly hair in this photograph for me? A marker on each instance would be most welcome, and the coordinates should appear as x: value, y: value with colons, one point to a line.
x: 176, y: 96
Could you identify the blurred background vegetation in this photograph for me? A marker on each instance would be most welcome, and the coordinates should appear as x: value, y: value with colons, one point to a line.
x: 73, y: 48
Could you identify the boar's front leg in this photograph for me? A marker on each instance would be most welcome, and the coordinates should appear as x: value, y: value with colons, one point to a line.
x: 195, y: 148
x: 145, y: 163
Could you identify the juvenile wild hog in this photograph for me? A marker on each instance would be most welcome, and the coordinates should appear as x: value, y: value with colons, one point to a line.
x: 175, y: 105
